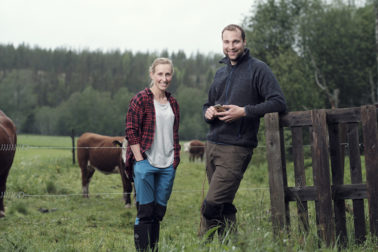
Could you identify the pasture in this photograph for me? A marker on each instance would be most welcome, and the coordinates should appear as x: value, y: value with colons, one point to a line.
x: 46, y: 212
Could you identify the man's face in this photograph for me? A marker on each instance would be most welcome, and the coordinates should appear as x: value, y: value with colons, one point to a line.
x: 233, y: 45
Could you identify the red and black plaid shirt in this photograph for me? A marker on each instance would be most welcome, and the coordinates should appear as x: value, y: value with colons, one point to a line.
x: 140, y: 125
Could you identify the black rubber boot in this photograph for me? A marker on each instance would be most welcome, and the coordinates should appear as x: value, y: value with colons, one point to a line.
x: 141, y: 236
x: 210, y: 219
x: 208, y: 228
x: 227, y: 227
x: 228, y: 222
x: 154, y: 235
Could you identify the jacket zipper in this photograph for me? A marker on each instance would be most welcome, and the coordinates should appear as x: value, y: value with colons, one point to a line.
x: 228, y: 83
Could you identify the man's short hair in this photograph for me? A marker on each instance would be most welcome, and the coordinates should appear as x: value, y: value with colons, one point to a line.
x: 234, y: 27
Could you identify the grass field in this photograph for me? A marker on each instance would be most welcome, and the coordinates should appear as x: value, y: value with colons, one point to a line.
x: 46, y: 212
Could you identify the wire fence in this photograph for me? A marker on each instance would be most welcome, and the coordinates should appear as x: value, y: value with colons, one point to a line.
x: 13, y: 147
x: 22, y: 195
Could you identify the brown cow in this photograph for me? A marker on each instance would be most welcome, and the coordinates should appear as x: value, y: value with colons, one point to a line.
x: 101, y: 153
x: 196, y: 150
x: 8, y: 141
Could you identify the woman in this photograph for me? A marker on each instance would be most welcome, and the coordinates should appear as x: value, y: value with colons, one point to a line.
x: 152, y: 125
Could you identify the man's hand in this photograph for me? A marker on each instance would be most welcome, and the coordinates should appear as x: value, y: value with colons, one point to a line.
x: 232, y: 113
x: 210, y: 113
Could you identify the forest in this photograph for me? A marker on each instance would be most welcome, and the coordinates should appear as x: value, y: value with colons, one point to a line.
x: 324, y: 55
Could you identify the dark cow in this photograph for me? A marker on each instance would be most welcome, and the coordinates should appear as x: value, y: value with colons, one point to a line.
x: 101, y: 152
x: 8, y: 141
x: 196, y: 149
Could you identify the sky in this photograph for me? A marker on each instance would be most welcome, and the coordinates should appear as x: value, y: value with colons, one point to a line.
x: 134, y: 25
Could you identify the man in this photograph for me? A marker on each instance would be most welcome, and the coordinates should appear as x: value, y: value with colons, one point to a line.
x: 247, y: 89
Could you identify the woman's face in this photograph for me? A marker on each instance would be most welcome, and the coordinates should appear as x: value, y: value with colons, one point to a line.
x: 162, y: 76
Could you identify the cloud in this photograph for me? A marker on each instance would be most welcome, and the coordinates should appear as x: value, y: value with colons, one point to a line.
x: 143, y: 25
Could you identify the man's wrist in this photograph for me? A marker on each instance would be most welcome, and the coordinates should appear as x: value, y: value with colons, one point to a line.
x: 244, y: 112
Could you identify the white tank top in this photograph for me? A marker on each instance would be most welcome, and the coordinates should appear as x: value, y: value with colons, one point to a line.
x: 161, y: 153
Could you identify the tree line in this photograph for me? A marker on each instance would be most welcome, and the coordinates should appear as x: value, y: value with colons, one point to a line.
x: 323, y: 54
x: 54, y: 91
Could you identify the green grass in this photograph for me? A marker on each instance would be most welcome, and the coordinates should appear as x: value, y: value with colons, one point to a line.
x: 45, y: 210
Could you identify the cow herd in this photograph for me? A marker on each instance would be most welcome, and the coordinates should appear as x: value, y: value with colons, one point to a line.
x: 94, y: 152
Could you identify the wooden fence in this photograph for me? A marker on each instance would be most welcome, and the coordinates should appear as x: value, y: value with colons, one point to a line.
x: 330, y: 131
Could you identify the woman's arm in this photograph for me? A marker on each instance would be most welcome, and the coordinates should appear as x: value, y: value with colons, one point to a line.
x: 136, y: 151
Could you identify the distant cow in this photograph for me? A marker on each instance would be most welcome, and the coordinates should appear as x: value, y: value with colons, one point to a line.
x: 8, y: 141
x: 196, y: 150
x: 101, y: 153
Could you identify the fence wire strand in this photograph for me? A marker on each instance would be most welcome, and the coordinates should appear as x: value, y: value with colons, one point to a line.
x: 25, y: 195
x: 13, y: 147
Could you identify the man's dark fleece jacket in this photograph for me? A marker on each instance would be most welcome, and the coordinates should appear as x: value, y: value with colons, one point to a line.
x: 250, y: 84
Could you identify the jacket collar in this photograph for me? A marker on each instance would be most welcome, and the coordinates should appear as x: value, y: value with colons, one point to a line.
x: 242, y: 58
x: 149, y: 92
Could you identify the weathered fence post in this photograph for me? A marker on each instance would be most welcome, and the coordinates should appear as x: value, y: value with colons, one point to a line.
x: 73, y: 145
x: 299, y: 173
x: 276, y: 180
x: 329, y: 196
x: 356, y: 178
x: 369, y: 127
x: 321, y: 176
x: 337, y: 167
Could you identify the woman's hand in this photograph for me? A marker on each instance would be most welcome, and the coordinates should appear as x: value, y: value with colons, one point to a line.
x: 136, y: 151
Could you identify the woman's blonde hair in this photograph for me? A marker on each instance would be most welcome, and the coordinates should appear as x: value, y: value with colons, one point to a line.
x: 159, y: 61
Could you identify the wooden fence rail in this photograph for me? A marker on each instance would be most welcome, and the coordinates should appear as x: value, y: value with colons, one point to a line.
x: 330, y: 131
